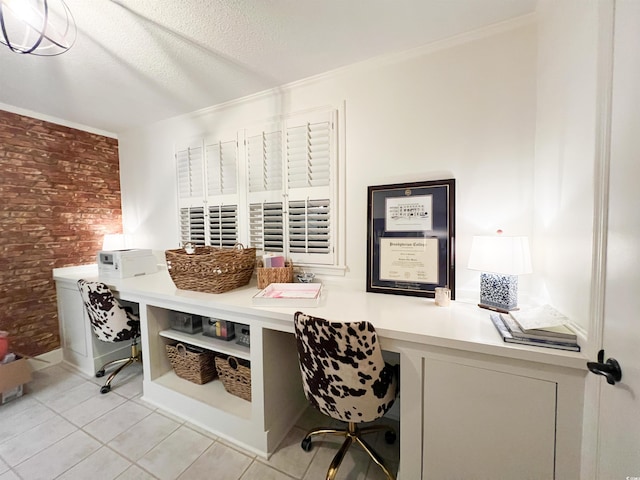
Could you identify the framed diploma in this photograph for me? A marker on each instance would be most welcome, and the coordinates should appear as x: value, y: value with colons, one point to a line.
x: 410, y: 235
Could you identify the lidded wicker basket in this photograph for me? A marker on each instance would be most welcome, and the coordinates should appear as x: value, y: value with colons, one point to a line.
x: 211, y: 269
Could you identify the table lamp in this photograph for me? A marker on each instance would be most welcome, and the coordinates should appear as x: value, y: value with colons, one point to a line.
x: 501, y: 259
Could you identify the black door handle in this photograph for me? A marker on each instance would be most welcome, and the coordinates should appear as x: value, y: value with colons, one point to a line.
x: 609, y: 369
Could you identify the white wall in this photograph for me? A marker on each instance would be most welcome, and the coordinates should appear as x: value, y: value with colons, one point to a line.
x: 565, y: 159
x: 465, y: 109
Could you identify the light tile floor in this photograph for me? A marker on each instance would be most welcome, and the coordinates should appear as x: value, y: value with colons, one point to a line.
x: 63, y: 428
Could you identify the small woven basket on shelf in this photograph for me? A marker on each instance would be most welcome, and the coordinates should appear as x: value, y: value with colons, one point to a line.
x: 197, y: 367
x: 235, y: 377
x: 267, y: 276
x: 211, y: 269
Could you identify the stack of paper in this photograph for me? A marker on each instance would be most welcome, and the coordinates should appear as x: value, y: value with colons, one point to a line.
x: 289, y: 295
x: 539, y: 317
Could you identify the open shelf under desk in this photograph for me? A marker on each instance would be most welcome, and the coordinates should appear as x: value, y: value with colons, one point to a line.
x: 209, y: 343
x: 211, y: 393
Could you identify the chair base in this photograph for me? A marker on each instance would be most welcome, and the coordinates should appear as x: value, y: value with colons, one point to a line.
x: 136, y: 356
x: 352, y: 434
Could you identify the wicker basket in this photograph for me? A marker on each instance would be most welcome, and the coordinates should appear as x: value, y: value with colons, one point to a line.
x: 235, y: 377
x: 267, y: 276
x: 196, y: 367
x: 211, y: 269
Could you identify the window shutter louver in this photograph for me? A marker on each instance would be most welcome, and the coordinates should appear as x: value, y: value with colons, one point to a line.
x: 266, y: 226
x: 222, y: 168
x: 192, y: 225
x: 309, y: 155
x: 264, y: 161
x: 223, y: 225
x: 190, y: 164
x: 310, y: 227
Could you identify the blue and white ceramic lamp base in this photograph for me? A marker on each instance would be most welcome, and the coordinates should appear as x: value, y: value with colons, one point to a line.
x: 498, y: 292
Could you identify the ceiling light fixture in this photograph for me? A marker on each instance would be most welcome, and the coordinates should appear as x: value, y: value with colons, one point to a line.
x: 37, y: 27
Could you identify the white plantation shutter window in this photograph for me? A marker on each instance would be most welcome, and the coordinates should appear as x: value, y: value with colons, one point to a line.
x: 222, y: 168
x: 190, y: 164
x: 207, y: 180
x: 310, y: 173
x: 264, y: 161
x: 189, y: 171
x: 309, y: 154
x: 272, y: 186
x: 266, y: 226
x: 192, y: 225
x: 264, y: 186
x: 310, y: 231
x: 223, y: 225
x: 222, y: 199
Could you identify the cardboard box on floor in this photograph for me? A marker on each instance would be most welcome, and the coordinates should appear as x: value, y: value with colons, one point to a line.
x: 13, y: 376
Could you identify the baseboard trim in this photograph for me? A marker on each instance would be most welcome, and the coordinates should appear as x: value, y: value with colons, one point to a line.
x: 46, y: 359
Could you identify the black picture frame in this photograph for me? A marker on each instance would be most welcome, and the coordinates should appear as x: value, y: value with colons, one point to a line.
x: 410, y: 238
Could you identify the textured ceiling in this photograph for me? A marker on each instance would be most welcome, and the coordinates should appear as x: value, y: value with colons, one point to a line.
x: 139, y: 61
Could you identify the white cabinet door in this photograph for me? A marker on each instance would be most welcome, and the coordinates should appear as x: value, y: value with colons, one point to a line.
x: 74, y: 327
x: 80, y: 347
x: 486, y: 424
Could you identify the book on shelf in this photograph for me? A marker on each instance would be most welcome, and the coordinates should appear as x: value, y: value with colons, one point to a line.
x: 559, y: 333
x: 508, y: 337
x: 539, y: 317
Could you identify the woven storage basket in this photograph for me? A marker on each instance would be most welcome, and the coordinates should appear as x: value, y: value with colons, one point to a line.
x: 198, y: 367
x: 211, y: 269
x: 236, y: 378
x: 267, y: 276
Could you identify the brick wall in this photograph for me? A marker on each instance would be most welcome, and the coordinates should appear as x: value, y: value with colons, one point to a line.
x: 59, y: 195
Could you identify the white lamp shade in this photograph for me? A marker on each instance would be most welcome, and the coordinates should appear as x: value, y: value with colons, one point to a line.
x: 500, y: 254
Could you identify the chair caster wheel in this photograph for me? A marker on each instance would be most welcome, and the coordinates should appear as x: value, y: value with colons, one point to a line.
x: 105, y: 389
x: 100, y: 373
x: 306, y: 444
x: 390, y: 437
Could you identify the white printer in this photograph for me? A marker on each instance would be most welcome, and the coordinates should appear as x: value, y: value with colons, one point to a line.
x: 126, y: 263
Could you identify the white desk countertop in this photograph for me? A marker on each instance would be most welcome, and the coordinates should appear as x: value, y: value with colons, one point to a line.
x: 418, y: 320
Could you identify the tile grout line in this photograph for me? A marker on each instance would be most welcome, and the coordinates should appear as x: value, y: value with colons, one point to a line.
x: 135, y: 400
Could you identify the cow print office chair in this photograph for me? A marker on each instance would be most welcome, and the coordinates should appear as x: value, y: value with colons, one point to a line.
x: 345, y: 377
x: 110, y: 322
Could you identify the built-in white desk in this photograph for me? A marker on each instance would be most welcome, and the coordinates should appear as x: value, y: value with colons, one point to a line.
x: 471, y: 406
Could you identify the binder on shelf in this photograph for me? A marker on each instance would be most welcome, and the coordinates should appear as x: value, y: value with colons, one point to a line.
x: 508, y: 337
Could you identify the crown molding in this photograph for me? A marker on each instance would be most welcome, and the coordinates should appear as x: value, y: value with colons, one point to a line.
x: 58, y: 121
x: 377, y: 62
